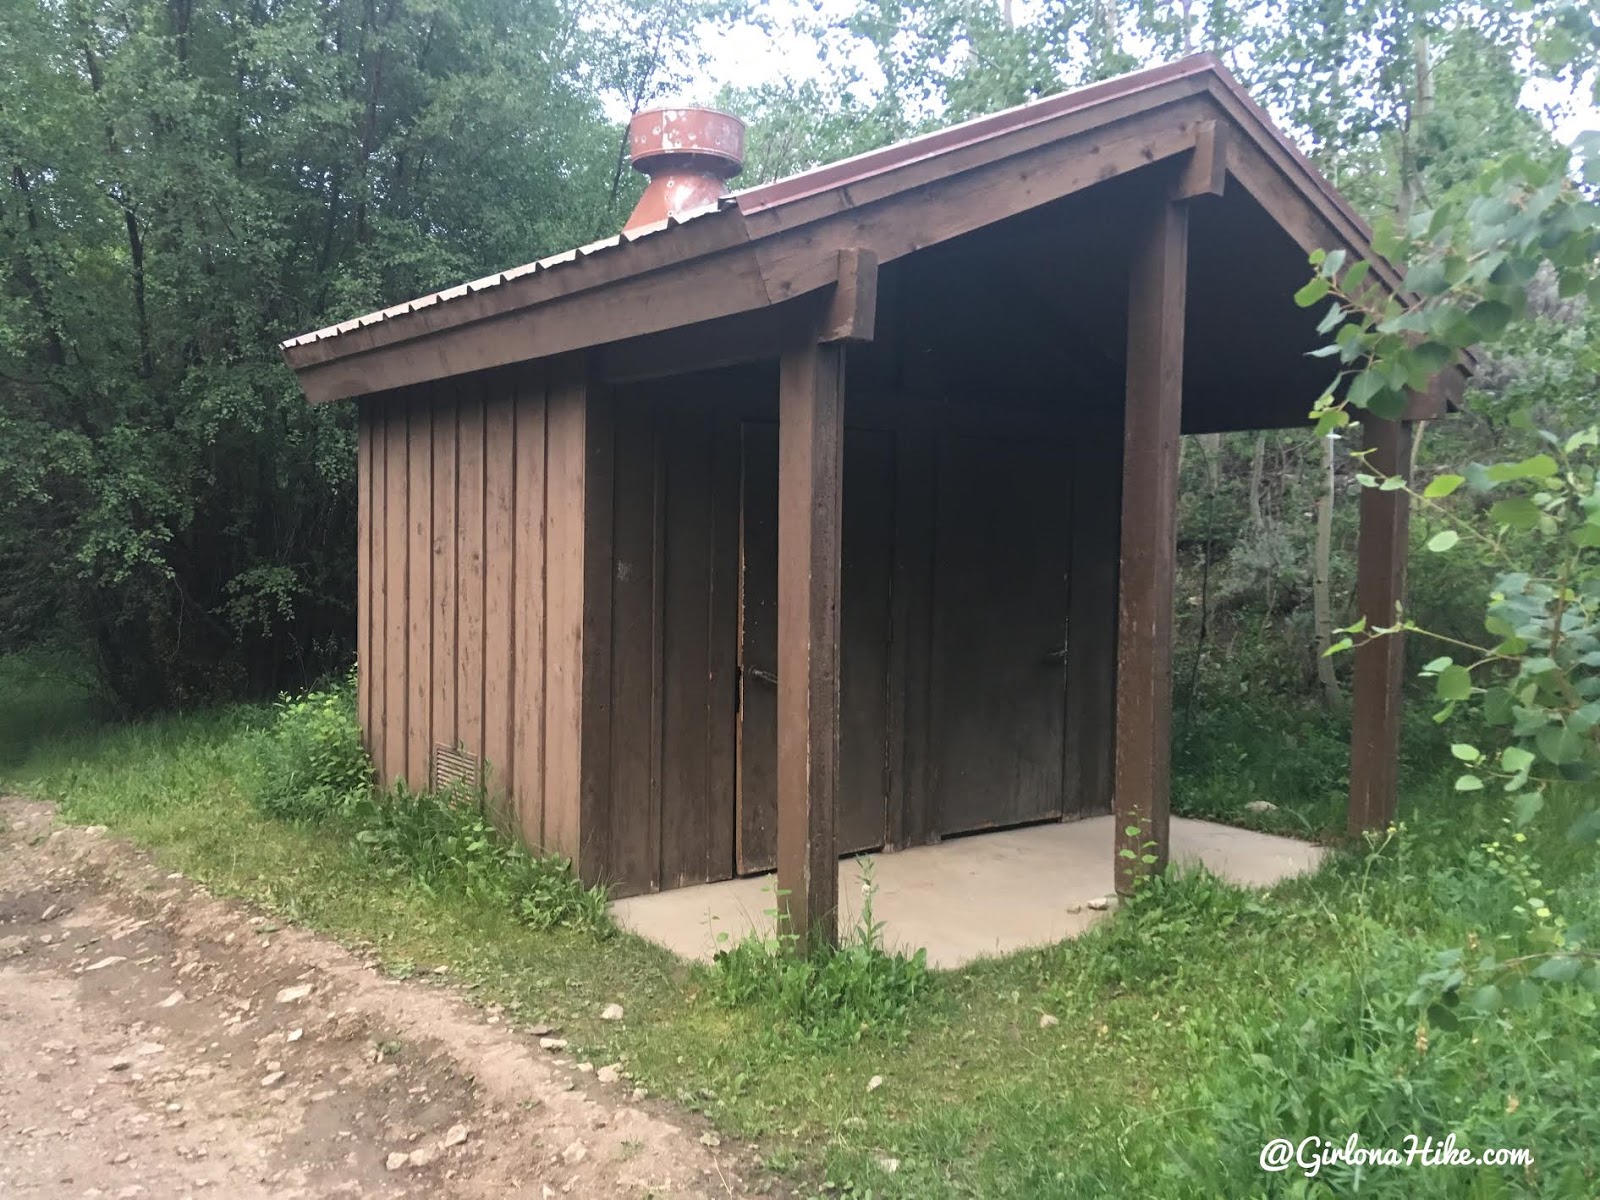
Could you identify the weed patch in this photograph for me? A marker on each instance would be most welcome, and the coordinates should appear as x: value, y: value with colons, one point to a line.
x: 444, y: 842
x: 309, y: 763
x: 832, y: 996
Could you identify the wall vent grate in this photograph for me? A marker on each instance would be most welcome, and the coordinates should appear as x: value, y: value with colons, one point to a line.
x: 454, y: 767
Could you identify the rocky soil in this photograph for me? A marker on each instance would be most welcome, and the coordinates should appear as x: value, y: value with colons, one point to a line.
x: 157, y: 1042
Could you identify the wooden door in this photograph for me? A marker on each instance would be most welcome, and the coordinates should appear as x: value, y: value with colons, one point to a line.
x: 999, y: 633
x: 867, y: 552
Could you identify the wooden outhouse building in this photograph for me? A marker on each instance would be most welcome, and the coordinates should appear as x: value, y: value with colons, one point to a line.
x: 839, y: 513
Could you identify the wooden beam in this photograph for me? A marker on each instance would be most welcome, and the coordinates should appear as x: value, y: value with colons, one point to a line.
x: 853, y: 306
x: 1141, y: 797
x: 762, y: 334
x: 805, y: 258
x: 700, y: 290
x: 810, y: 476
x: 1206, y: 171
x: 1379, y: 662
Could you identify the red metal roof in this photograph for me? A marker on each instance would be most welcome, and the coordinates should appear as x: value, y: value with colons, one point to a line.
x: 846, y: 172
x: 772, y: 242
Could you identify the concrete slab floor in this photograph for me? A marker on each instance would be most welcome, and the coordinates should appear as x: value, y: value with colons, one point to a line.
x: 985, y: 894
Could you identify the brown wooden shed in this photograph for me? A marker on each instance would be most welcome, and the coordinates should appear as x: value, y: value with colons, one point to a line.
x: 840, y: 513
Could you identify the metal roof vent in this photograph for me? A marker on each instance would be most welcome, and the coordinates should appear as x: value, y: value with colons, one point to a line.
x: 689, y: 155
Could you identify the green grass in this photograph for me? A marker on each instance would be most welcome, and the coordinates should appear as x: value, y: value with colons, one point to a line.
x: 1191, y: 1028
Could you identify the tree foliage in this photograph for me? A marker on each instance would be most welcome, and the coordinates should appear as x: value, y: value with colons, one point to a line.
x: 184, y: 186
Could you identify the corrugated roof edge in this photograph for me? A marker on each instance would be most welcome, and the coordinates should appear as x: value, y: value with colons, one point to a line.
x: 549, y: 262
x: 976, y: 129
x: 841, y: 174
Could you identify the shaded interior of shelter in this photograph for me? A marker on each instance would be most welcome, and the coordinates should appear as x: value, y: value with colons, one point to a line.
x: 982, y: 475
x: 1032, y: 312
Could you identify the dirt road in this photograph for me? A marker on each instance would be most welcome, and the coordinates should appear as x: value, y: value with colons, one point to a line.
x: 156, y: 1042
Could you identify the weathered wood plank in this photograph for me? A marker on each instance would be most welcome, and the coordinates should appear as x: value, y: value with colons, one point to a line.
x: 745, y: 337
x: 594, y: 777
x: 1379, y: 662
x: 1206, y: 171
x: 1092, y: 621
x: 395, y: 516
x: 686, y: 647
x: 866, y: 574
x: 852, y: 311
x: 419, y: 587
x: 1157, y: 292
x: 578, y: 534
x: 635, y: 631
x: 810, y: 486
x: 364, y: 570
x: 499, y: 664
x: 566, y: 463
x: 469, y: 565
x: 527, y: 743
x: 757, y: 798
x: 723, y: 668
x: 446, y: 541
x: 911, y: 820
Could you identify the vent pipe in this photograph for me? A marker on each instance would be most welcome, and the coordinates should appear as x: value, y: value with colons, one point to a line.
x: 689, y: 155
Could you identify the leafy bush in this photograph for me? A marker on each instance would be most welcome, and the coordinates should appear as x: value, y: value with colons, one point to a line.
x: 310, y: 764
x: 446, y: 841
x: 833, y: 996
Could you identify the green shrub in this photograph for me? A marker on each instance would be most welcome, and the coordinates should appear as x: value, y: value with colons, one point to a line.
x: 310, y: 763
x: 835, y: 995
x: 1388, y: 1038
x: 446, y: 841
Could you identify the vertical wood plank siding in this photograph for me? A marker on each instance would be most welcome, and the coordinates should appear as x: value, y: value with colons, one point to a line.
x: 445, y: 550
x: 451, y: 598
x: 499, y: 567
x: 1092, y: 583
x: 419, y: 578
x: 469, y: 568
x: 364, y: 509
x: 577, y: 735
x: 396, y: 513
x: 528, y: 606
x: 550, y: 580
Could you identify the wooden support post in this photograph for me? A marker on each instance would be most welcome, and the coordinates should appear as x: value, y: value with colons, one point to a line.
x: 1156, y: 297
x: 1380, y: 589
x: 810, y: 471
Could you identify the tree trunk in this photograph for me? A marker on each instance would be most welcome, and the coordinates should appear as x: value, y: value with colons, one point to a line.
x: 1321, y: 608
x: 1211, y: 443
x: 1258, y: 462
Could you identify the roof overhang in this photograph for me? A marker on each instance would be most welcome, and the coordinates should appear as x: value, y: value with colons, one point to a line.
x: 754, y: 255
